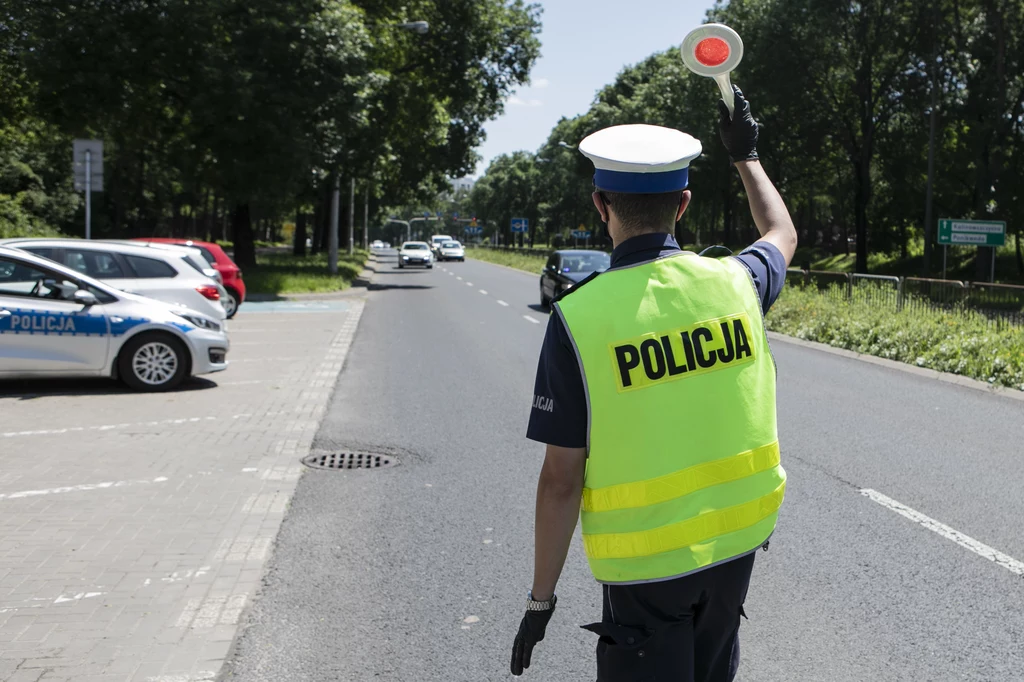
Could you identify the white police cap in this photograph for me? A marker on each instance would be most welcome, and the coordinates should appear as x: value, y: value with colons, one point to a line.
x: 641, y: 159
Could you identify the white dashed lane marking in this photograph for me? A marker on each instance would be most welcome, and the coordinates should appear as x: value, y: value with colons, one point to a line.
x: 502, y: 303
x: 965, y: 541
x: 459, y: 278
x: 483, y: 292
x: 531, y: 319
x: 469, y: 284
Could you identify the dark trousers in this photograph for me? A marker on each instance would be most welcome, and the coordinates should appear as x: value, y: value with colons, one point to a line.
x: 682, y: 630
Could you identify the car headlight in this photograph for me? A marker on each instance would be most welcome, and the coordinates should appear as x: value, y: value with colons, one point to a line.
x: 405, y: 258
x: 200, y: 321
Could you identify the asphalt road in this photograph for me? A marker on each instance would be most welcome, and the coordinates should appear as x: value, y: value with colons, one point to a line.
x: 419, y: 572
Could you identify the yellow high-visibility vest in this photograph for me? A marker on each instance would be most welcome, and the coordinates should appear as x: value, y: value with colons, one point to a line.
x: 683, y: 464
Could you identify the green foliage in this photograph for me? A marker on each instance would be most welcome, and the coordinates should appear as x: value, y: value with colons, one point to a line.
x: 843, y: 90
x: 219, y: 112
x: 33, y: 200
x: 520, y: 261
x: 510, y: 189
x: 286, y: 274
x: 961, y: 343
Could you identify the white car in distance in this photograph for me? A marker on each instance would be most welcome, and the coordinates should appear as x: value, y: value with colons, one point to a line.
x: 436, y: 241
x: 56, y: 322
x: 415, y: 253
x: 137, y: 269
x: 452, y: 250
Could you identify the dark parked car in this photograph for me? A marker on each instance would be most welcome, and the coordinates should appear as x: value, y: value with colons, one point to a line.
x: 565, y: 269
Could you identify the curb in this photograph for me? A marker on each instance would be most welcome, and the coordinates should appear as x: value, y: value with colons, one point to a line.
x: 924, y: 372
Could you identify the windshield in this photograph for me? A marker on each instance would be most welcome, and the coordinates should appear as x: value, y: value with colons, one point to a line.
x: 586, y: 262
x: 450, y: 245
x: 415, y: 247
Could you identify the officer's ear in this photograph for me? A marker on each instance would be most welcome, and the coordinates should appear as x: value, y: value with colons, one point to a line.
x: 601, y: 207
x: 683, y: 203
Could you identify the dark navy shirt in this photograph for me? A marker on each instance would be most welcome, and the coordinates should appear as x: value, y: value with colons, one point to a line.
x: 559, y: 416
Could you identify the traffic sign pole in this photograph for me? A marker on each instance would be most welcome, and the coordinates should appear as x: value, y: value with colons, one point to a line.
x: 88, y: 194
x: 87, y: 169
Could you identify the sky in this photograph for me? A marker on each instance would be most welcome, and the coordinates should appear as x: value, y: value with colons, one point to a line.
x: 584, y: 45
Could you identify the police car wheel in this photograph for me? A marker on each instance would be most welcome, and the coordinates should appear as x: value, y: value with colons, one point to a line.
x: 153, y: 362
x: 544, y: 300
x: 230, y: 303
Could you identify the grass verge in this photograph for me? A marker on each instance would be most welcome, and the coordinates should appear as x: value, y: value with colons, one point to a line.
x: 283, y: 273
x: 519, y: 261
x: 960, y: 343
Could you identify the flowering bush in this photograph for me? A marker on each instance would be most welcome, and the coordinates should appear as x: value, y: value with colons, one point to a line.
x: 960, y: 342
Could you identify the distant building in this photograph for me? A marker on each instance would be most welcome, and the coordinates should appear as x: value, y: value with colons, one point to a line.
x: 462, y: 184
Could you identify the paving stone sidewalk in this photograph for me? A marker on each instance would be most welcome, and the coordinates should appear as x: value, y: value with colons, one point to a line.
x: 134, y: 528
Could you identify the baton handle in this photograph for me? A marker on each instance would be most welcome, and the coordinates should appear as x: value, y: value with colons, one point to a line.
x: 728, y: 96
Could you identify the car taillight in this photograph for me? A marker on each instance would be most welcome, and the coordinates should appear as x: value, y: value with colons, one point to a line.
x: 209, y: 291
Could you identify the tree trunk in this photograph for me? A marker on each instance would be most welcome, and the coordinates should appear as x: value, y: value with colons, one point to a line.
x: 1020, y: 256
x: 241, y: 226
x: 861, y: 197
x: 299, y: 245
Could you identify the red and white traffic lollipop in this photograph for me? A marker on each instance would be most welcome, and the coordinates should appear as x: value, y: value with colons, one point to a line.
x: 714, y: 50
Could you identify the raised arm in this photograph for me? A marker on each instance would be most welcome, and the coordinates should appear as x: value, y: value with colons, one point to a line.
x: 739, y: 135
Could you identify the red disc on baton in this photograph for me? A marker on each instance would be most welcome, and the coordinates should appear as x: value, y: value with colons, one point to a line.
x: 712, y: 51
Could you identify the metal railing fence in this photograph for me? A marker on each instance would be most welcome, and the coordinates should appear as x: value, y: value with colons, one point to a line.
x: 1001, y: 304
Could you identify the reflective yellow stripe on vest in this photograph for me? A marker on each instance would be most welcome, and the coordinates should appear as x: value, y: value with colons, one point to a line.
x: 685, y: 533
x: 664, y: 488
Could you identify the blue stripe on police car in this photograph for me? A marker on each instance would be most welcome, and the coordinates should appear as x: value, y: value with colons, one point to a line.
x: 70, y: 324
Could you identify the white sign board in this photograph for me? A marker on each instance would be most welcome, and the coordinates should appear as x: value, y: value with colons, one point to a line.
x: 88, y: 153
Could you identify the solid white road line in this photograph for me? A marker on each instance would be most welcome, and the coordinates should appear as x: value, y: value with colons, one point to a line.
x: 502, y: 303
x: 109, y: 427
x: 965, y: 541
x: 78, y: 488
x: 483, y: 292
x: 527, y: 317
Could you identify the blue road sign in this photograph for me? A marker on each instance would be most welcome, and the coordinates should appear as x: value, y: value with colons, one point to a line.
x: 520, y: 225
x: 455, y: 215
x: 581, y: 234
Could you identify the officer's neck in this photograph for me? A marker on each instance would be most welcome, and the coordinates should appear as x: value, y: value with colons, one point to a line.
x: 619, y: 236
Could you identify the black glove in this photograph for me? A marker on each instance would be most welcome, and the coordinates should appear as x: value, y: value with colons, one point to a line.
x: 739, y: 133
x: 531, y: 631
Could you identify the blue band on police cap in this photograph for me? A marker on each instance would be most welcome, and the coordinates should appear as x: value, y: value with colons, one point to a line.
x: 641, y: 183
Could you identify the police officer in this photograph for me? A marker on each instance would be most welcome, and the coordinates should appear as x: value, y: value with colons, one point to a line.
x: 655, y: 395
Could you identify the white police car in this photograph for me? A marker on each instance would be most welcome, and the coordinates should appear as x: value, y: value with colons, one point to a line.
x: 55, y: 321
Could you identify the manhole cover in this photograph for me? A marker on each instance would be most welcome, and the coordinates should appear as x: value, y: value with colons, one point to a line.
x: 349, y: 460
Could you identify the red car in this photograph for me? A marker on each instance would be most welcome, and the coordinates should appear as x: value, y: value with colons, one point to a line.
x: 218, y: 260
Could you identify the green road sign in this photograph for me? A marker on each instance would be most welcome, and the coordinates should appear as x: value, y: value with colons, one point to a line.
x: 972, y: 232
